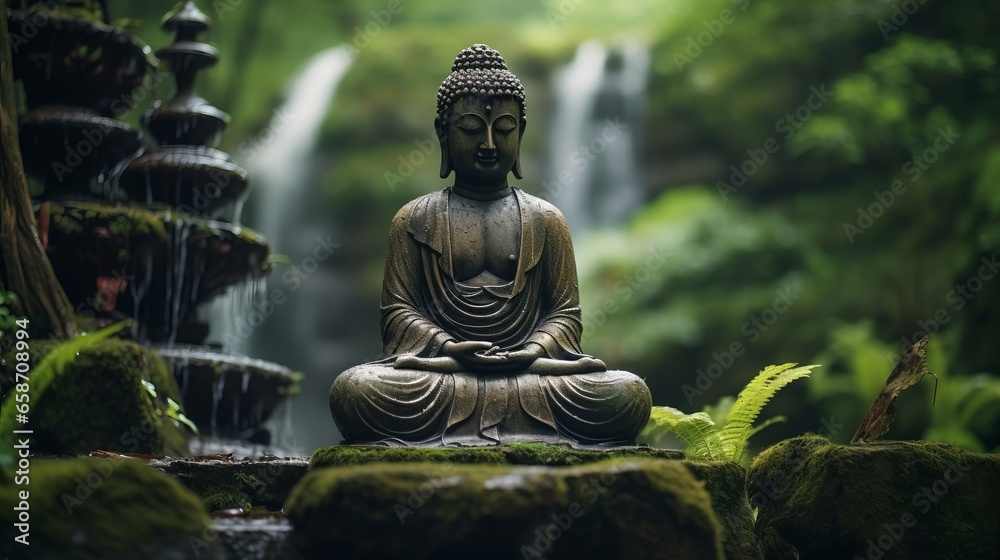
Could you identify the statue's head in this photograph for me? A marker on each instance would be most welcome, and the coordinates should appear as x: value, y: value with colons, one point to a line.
x: 480, y: 118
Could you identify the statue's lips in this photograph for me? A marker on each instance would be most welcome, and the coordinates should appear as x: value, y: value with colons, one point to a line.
x: 486, y: 161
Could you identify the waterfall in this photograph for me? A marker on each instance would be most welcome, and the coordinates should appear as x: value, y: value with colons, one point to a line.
x: 280, y: 167
x: 593, y: 175
x: 278, y: 159
x: 286, y: 205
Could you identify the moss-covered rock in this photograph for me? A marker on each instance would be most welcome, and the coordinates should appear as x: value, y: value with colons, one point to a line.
x: 724, y: 481
x: 262, y: 482
x: 884, y: 500
x: 114, y: 396
x: 100, y: 508
x: 611, y: 509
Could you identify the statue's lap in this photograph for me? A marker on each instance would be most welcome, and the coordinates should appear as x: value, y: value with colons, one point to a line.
x: 375, y: 402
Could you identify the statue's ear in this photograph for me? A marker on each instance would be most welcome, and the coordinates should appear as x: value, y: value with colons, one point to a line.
x: 517, y: 160
x: 442, y: 134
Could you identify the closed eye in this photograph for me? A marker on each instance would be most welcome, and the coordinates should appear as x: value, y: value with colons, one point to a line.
x: 469, y: 123
x: 505, y: 124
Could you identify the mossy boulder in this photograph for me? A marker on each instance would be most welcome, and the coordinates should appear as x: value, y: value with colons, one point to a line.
x: 883, y: 500
x: 101, y: 508
x: 114, y: 396
x: 724, y: 481
x: 611, y: 509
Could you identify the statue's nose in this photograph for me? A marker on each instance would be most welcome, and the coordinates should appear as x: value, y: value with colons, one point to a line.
x: 488, y: 146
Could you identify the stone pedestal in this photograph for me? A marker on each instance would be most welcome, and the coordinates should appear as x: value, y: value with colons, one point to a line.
x: 520, y: 501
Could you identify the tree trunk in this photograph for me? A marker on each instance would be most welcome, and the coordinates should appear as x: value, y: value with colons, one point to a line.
x: 24, y: 267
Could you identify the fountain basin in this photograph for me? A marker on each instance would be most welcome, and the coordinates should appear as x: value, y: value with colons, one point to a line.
x: 102, y: 70
x: 226, y: 395
x: 65, y: 147
x: 151, y: 265
x: 196, y: 179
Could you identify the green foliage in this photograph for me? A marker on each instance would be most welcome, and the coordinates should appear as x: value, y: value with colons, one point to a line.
x: 705, y: 438
x: 51, y: 366
x: 9, y: 315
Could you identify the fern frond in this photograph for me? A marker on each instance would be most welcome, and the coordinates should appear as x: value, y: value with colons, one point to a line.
x: 698, y: 430
x: 766, y: 423
x: 739, y: 425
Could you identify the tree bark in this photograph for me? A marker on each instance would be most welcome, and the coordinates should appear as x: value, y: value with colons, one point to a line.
x: 24, y: 266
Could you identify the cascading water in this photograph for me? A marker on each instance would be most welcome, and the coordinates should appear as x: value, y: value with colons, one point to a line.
x: 575, y: 90
x: 593, y: 175
x: 283, y: 208
x: 280, y: 168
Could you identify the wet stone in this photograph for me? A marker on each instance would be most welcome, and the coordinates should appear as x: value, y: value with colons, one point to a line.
x: 620, y: 508
x: 877, y: 501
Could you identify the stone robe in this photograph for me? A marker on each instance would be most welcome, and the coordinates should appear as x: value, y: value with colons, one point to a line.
x: 423, y: 306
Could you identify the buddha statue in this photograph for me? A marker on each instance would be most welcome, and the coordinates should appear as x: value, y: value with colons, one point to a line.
x: 480, y: 306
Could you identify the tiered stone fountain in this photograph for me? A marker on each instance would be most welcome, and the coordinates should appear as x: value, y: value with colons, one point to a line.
x: 149, y: 234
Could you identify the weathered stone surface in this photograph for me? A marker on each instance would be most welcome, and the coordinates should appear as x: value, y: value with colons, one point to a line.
x: 102, y: 508
x: 883, y: 500
x: 613, y: 509
x: 255, y: 538
x: 227, y: 484
x: 510, y: 454
x: 724, y: 481
x: 103, y: 399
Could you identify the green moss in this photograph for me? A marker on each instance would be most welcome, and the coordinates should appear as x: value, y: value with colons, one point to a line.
x: 821, y: 498
x: 238, y: 491
x: 124, y: 221
x: 98, y: 401
x: 724, y: 481
x: 613, y: 509
x: 509, y: 454
x: 100, y: 508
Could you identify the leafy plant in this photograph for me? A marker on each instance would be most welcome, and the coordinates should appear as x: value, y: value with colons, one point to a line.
x: 51, y: 365
x: 9, y: 306
x: 705, y: 438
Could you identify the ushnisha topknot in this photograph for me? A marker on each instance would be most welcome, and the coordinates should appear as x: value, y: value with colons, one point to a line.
x: 480, y: 71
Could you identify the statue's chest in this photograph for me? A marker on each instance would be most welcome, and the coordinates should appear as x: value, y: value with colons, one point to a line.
x: 485, y: 238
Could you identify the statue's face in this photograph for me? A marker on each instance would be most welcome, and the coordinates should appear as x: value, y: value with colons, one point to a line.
x: 483, y: 138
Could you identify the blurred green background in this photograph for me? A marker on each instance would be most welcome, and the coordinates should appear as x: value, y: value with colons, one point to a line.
x: 820, y: 182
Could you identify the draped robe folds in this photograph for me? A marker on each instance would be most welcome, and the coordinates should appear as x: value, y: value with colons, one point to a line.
x: 424, y: 306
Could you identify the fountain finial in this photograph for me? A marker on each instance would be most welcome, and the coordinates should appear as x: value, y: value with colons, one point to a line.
x: 185, y: 171
x: 186, y: 119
